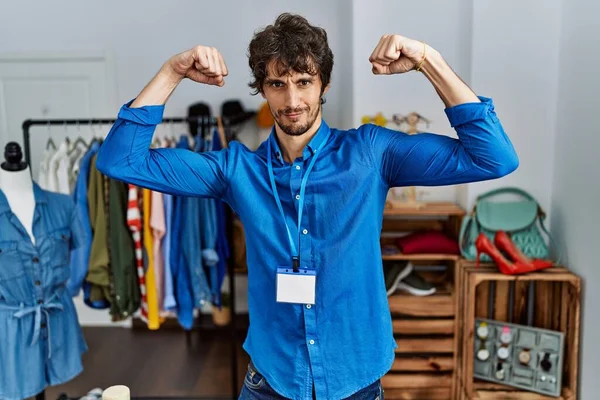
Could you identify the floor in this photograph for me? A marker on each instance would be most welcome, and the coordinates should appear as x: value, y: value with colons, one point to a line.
x: 158, y: 364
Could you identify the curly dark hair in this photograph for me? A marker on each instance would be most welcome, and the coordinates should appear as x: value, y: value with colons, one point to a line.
x: 295, y: 45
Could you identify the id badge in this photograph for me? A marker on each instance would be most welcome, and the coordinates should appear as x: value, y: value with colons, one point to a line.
x: 296, y: 287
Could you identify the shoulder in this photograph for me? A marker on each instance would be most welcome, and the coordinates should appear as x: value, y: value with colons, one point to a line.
x: 362, y: 134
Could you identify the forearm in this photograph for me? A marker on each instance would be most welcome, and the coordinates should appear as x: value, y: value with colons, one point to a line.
x: 159, y: 89
x: 451, y: 89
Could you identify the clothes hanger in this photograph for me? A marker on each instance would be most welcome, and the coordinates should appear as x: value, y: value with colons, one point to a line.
x: 78, y: 141
x: 50, y: 143
x: 67, y: 139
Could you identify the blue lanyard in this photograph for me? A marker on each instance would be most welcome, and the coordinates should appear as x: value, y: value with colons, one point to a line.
x: 295, y: 254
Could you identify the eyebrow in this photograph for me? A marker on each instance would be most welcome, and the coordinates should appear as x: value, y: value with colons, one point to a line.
x: 302, y: 78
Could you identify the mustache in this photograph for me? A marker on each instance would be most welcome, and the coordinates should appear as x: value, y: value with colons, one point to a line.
x: 289, y: 110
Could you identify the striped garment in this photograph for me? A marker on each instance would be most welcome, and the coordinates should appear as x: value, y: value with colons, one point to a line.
x: 134, y: 222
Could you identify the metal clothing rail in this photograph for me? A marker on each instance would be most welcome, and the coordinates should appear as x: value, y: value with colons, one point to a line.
x: 203, y: 122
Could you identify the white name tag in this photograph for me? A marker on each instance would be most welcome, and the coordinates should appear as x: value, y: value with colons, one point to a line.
x: 296, y: 287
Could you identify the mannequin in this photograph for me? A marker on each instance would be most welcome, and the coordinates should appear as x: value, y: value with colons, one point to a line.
x: 16, y: 183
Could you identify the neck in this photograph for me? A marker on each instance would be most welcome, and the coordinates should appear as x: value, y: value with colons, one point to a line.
x: 16, y: 181
x: 293, y: 146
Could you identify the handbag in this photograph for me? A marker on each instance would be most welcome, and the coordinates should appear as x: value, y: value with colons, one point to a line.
x: 520, y: 219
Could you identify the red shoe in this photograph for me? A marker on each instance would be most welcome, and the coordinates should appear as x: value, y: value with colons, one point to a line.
x: 503, y: 242
x: 484, y: 245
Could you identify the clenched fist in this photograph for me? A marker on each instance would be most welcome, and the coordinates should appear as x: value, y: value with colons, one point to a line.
x: 395, y: 54
x: 201, y: 64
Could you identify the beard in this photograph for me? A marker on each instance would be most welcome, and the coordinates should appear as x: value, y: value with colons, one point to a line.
x: 297, y: 128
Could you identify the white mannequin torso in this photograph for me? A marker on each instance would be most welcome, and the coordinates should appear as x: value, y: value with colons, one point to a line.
x: 18, y: 189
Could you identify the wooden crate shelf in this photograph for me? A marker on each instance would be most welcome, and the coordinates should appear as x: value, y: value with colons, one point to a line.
x: 424, y: 393
x: 424, y: 327
x: 557, y: 307
x: 438, y: 209
x: 425, y: 345
x: 416, y: 380
x: 427, y: 364
x: 436, y: 305
x: 488, y: 391
x: 425, y: 257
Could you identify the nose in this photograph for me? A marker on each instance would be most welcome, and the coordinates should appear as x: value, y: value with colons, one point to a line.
x: 292, y: 97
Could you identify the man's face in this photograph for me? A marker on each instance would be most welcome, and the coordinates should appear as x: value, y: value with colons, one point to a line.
x: 294, y: 99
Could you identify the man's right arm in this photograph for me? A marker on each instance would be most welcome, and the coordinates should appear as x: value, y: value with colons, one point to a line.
x: 126, y: 154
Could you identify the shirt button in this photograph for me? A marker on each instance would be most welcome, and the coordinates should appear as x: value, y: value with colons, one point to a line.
x: 43, y: 325
x: 308, y: 306
x: 35, y: 259
x: 40, y: 301
x: 297, y: 197
x: 305, y: 231
x: 297, y: 167
x: 311, y: 341
x: 38, y: 283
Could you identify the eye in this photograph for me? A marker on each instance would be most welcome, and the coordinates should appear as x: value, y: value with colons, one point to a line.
x: 305, y: 82
x: 276, y: 84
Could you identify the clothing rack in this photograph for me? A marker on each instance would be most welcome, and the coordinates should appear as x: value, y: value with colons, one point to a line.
x: 203, y: 122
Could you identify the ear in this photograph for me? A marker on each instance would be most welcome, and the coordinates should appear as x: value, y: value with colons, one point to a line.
x: 262, y: 93
x: 326, y: 89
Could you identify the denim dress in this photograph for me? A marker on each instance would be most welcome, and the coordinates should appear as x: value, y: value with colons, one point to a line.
x: 41, y: 342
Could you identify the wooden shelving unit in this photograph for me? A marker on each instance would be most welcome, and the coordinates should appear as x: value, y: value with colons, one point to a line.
x: 425, y: 327
x: 557, y: 307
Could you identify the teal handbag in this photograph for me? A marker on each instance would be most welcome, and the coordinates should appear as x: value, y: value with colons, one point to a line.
x: 521, y: 219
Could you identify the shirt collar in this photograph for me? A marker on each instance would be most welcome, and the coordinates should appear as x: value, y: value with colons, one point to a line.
x: 309, y: 150
x: 38, y: 194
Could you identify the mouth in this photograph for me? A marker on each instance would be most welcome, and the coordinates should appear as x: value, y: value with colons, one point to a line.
x: 293, y: 116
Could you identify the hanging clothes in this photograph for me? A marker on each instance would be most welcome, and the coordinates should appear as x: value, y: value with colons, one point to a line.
x: 222, y: 242
x: 170, y: 303
x: 98, y: 275
x: 44, y: 170
x: 80, y: 256
x: 126, y: 299
x: 181, y: 247
x: 134, y: 223
x: 153, y: 314
x: 41, y: 340
x: 58, y: 177
x: 208, y: 235
x: 158, y: 228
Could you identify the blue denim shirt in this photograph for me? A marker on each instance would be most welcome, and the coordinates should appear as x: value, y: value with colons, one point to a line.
x: 81, y: 255
x: 170, y: 304
x: 222, y: 245
x: 41, y: 342
x: 345, y: 341
x: 191, y: 241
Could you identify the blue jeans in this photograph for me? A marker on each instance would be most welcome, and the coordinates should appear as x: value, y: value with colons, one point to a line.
x: 256, y: 388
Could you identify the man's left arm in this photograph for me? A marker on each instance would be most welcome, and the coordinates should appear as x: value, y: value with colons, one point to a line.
x: 482, y: 151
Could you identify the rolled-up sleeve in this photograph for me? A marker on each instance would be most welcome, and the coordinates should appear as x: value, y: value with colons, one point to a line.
x: 482, y: 150
x: 126, y: 155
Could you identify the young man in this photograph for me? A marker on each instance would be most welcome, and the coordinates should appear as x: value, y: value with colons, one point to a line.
x: 311, y: 199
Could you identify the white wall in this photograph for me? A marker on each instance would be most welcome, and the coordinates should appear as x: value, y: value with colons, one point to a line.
x: 441, y: 24
x: 344, y: 65
x: 142, y: 35
x: 575, y: 189
x: 514, y: 61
